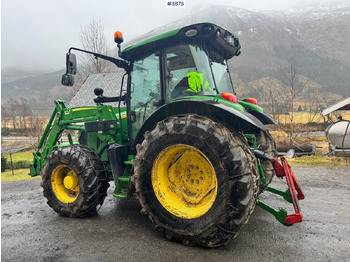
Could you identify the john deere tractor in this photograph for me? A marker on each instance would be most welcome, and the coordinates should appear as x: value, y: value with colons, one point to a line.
x: 178, y: 140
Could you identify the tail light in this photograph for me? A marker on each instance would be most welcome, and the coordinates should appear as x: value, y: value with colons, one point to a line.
x: 252, y: 100
x: 230, y: 97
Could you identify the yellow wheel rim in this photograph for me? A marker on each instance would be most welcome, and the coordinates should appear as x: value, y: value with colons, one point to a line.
x: 184, y: 181
x: 65, y: 184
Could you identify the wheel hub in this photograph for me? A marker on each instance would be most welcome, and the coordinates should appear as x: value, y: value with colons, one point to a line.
x: 184, y: 181
x: 70, y: 181
x: 65, y: 184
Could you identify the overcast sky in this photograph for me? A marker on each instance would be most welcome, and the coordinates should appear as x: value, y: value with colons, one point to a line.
x: 37, y: 33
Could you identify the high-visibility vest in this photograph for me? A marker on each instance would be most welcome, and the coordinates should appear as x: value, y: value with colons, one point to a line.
x: 195, y: 82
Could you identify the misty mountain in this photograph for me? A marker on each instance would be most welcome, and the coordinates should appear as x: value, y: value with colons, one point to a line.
x: 40, y: 90
x: 13, y: 74
x: 316, y: 39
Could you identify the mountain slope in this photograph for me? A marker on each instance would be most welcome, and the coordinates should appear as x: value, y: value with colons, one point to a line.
x: 315, y: 39
x: 39, y: 91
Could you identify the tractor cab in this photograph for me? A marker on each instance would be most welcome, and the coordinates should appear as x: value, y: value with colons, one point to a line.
x: 181, y: 71
x: 188, y: 63
x: 183, y: 62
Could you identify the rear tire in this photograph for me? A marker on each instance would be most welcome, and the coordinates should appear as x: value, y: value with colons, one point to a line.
x: 268, y: 146
x: 74, y: 180
x: 196, y: 180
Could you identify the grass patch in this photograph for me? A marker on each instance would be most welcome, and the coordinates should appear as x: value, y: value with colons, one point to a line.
x: 19, y: 174
x: 20, y: 160
x: 21, y: 156
x: 319, y: 160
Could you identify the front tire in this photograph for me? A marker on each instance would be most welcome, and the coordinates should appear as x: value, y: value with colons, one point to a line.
x: 74, y: 180
x: 196, y: 180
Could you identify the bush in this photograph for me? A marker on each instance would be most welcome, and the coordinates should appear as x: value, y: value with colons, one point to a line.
x: 3, y: 163
x: 20, y: 164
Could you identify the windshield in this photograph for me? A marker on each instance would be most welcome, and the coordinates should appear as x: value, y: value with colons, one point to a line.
x: 188, y: 72
x: 222, y: 77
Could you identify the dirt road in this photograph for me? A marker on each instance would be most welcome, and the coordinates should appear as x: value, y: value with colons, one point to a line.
x: 31, y: 231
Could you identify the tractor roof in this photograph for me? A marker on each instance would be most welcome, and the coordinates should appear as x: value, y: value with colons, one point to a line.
x: 216, y: 36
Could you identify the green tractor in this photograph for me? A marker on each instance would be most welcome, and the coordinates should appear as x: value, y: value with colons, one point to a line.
x: 195, y: 157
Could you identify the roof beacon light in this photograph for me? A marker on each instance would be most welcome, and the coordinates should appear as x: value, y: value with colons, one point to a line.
x: 252, y: 100
x: 118, y: 37
x: 229, y: 97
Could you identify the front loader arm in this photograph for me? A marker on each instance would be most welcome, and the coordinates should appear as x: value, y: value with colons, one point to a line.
x: 64, y: 118
x: 49, y: 138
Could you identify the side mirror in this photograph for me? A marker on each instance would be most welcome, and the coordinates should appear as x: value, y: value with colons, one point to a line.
x: 71, y: 64
x: 67, y: 80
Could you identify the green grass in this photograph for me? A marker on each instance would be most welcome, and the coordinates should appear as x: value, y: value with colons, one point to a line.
x: 25, y: 155
x: 19, y: 174
x: 319, y: 160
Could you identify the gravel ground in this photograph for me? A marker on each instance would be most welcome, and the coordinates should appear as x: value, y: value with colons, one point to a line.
x: 32, y: 231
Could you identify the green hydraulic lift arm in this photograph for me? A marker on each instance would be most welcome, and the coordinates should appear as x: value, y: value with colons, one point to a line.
x: 64, y: 118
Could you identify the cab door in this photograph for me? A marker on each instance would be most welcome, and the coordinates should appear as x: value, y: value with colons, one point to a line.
x: 145, y: 90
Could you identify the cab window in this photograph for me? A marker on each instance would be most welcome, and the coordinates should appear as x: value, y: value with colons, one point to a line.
x: 187, y: 72
x: 145, y: 89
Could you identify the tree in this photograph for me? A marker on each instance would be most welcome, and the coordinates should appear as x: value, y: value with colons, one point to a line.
x: 5, y: 116
x: 23, y: 112
x: 12, y: 106
x: 293, y: 88
x: 272, y: 97
x: 17, y: 111
x: 36, y: 125
x: 92, y: 39
x: 311, y: 104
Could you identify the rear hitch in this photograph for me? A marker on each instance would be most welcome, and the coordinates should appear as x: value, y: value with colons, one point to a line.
x: 293, y: 194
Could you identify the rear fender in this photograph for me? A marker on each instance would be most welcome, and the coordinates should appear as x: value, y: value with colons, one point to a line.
x: 240, y: 121
x: 264, y: 118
